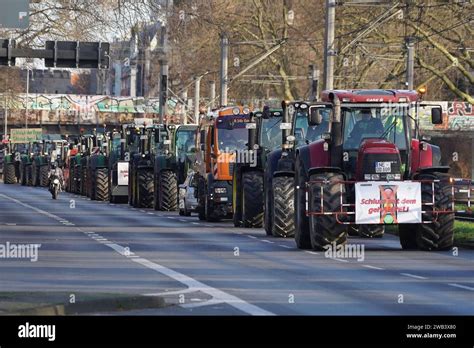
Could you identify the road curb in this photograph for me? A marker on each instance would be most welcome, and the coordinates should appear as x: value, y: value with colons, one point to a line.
x: 97, y: 306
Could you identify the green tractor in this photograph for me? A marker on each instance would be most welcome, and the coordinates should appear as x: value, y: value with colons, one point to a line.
x: 248, y: 178
x: 97, y: 168
x: 140, y: 179
x: 26, y: 174
x: 175, y: 149
x: 51, y: 149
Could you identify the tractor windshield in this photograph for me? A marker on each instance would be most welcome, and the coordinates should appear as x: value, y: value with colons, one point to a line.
x: 374, y: 122
x: 305, y: 133
x: 232, y: 134
x: 270, y: 133
x: 185, y: 141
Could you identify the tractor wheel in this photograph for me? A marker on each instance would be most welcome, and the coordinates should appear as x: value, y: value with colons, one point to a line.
x: 77, y: 181
x: 101, y: 185
x: 302, y: 237
x: 268, y: 209
x: 22, y: 175
x: 325, y: 229
x: 210, y: 214
x: 167, y: 191
x: 283, y: 207
x: 371, y: 231
x: 145, y: 189
x: 237, y: 198
x: 29, y: 175
x: 83, y: 181
x: 9, y: 176
x: 252, y: 199
x: 439, y: 234
x: 43, y: 176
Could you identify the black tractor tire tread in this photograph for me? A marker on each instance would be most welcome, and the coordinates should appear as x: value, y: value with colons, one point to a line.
x: 252, y: 199
x: 283, y: 207
x: 324, y: 229
x: 168, y: 191
x: 145, y: 188
x: 101, y: 185
x: 43, y: 176
x: 9, y: 174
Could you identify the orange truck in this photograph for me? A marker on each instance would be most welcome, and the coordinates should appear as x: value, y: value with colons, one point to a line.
x: 222, y: 137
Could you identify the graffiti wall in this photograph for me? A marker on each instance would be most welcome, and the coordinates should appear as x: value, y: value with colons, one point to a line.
x: 76, y: 109
x: 457, y: 117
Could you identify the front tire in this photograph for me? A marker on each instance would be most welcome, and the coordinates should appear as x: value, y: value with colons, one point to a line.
x: 325, y: 229
x: 101, y: 185
x: 252, y: 199
x: 145, y: 189
x: 167, y: 191
x: 302, y: 236
x: 283, y: 207
x: 9, y: 174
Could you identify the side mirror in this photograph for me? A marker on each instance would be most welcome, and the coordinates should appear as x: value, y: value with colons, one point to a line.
x: 315, y: 116
x: 436, y: 115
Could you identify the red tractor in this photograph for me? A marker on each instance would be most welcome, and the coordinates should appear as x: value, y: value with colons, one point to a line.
x: 371, y: 169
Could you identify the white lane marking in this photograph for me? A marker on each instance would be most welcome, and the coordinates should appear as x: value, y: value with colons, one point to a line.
x: 150, y: 214
x: 311, y: 252
x: 217, y: 294
x: 176, y: 292
x: 461, y: 286
x: 182, y: 220
x: 10, y: 224
x: 372, y: 267
x: 285, y: 246
x: 267, y: 241
x: 253, y: 237
x: 194, y: 223
x: 143, y: 211
x: 55, y: 217
x: 413, y: 276
x: 171, y: 217
x: 202, y: 304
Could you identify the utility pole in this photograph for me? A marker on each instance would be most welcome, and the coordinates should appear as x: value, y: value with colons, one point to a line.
x: 224, y: 69
x: 27, y: 96
x: 5, y: 127
x: 314, y: 75
x: 212, y: 94
x: 163, y: 88
x: 184, y: 113
x: 329, y: 52
x: 410, y: 62
x: 197, y: 92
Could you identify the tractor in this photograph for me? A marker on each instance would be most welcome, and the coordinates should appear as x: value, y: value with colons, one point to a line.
x: 264, y: 136
x: 50, y: 149
x: 174, y: 156
x: 140, y: 178
x: 279, y: 176
x: 97, y: 167
x: 372, y: 169
x: 11, y: 162
x: 221, y: 138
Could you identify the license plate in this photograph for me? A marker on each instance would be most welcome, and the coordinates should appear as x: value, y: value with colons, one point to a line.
x: 383, y: 167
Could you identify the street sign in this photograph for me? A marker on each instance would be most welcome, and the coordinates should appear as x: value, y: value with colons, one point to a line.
x: 23, y: 135
x: 14, y: 14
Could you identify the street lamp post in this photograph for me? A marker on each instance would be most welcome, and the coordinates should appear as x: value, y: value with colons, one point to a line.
x: 27, y: 94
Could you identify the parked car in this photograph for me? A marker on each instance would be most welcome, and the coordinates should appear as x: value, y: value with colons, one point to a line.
x: 188, y: 202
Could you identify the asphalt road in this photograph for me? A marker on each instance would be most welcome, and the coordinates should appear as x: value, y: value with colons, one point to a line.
x: 215, y: 269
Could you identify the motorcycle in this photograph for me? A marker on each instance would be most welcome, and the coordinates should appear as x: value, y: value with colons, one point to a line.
x: 54, y: 186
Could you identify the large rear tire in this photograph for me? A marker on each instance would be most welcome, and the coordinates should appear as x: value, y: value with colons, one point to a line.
x: 439, y: 234
x: 252, y: 199
x: 325, y: 229
x: 29, y: 175
x: 167, y: 190
x: 237, y: 198
x: 302, y: 235
x: 9, y: 174
x: 43, y: 176
x: 101, y: 185
x: 145, y: 189
x: 35, y: 177
x: 283, y: 207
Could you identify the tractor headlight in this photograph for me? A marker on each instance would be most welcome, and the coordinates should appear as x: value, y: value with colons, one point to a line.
x: 56, y: 181
x: 394, y: 176
x: 220, y: 190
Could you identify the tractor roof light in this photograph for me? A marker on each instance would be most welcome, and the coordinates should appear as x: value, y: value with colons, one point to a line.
x: 246, y: 110
x: 346, y: 100
x: 422, y: 90
x: 291, y: 138
x: 303, y: 106
x: 236, y: 111
x: 403, y: 100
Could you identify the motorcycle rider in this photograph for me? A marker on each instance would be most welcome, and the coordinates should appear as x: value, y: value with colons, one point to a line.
x: 57, y: 172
